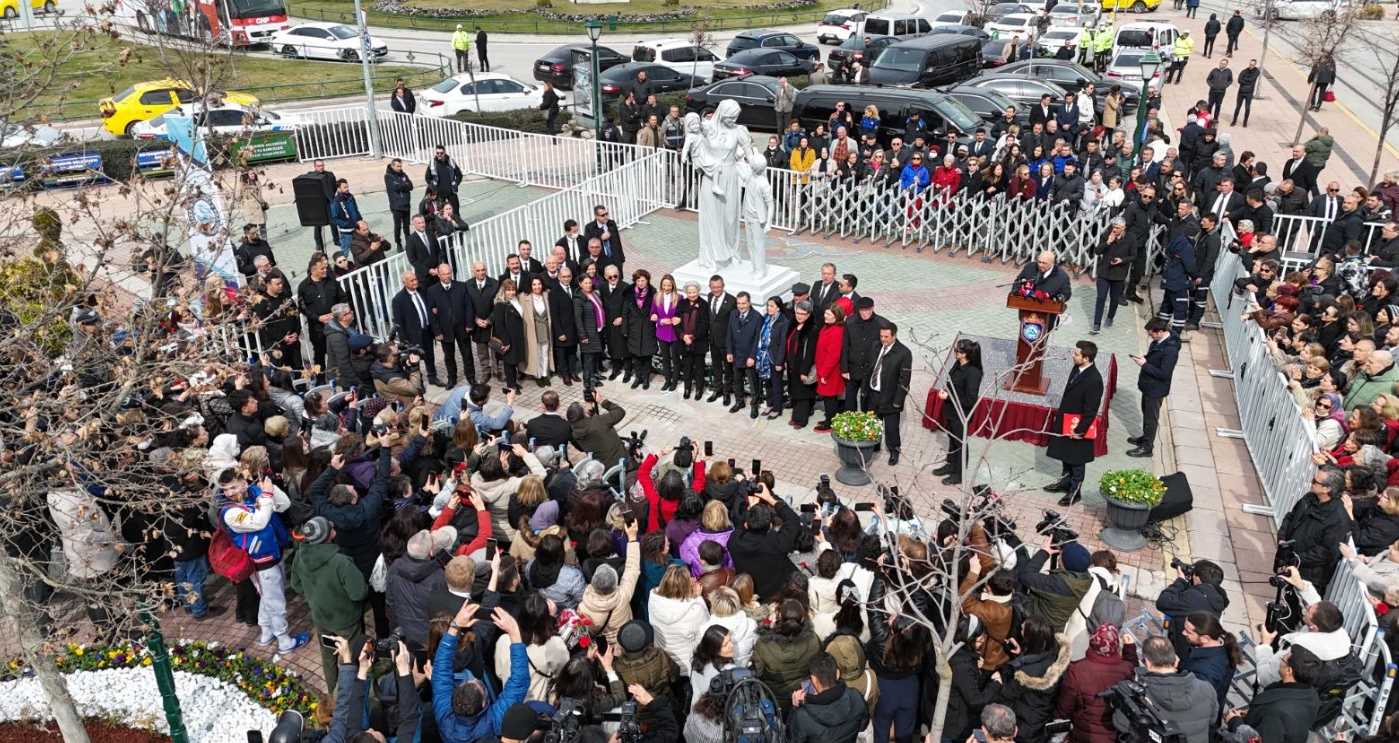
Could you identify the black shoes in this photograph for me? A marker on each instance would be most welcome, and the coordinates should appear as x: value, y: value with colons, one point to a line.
x: 753, y: 411
x: 945, y: 469
x: 893, y: 458
x: 1136, y: 440
x: 1142, y: 451
x: 616, y: 372
x: 1058, y: 486
x: 687, y: 392
x: 736, y: 406
x: 1070, y: 499
x: 434, y: 381
x: 952, y: 480
x: 716, y: 394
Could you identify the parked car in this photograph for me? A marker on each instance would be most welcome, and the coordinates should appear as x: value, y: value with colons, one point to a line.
x: 149, y: 99
x: 839, y: 24
x: 616, y: 82
x: 495, y: 91
x: 1024, y: 92
x: 1026, y: 26
x: 1136, y: 6
x: 1056, y: 38
x: 1125, y: 70
x: 896, y: 24
x: 317, y: 40
x: 221, y: 119
x: 952, y: 18
x: 963, y: 30
x: 9, y: 9
x: 557, y: 65
x: 1001, y: 10
x: 774, y: 62
x: 756, y: 96
x: 1302, y: 10
x: 1070, y: 76
x: 1145, y: 35
x: 986, y: 103
x: 30, y: 135
x: 677, y: 54
x: 997, y: 52
x: 932, y: 60
x: 815, y: 104
x: 1086, y: 14
x: 861, y: 48
x: 770, y: 39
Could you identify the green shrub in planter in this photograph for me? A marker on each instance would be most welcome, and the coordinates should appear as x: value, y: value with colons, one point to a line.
x: 1370, y: 12
x: 1132, y: 486
x: 857, y: 425
x: 524, y: 120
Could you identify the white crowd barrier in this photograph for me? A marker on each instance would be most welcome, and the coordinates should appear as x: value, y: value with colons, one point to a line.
x: 1300, y: 237
x: 1362, y: 708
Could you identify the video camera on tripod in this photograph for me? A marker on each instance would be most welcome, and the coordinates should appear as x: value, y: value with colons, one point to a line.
x: 1056, y: 527
x: 567, y: 722
x: 1136, y: 719
x: 1284, y: 609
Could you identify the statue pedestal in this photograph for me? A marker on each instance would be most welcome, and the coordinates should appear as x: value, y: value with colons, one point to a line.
x: 738, y: 277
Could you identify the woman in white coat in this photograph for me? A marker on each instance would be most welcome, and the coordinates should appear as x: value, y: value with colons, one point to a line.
x: 678, y: 614
x: 726, y: 610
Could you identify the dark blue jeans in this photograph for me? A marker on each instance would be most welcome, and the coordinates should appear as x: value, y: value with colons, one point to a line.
x: 189, y: 582
x: 1111, y: 293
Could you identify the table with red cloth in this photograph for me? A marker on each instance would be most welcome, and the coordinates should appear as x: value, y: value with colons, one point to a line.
x: 1018, y: 416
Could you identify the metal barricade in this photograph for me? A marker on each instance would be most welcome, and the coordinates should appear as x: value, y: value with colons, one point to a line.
x: 1362, y: 708
x: 326, y: 133
x: 1300, y: 237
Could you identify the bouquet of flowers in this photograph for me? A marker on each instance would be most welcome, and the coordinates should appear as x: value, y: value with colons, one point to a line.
x: 857, y: 425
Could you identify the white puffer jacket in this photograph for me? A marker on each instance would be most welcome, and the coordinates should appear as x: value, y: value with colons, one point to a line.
x: 743, y: 632
x: 678, y: 624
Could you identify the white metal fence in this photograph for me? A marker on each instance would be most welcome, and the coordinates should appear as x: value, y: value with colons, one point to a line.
x: 1300, y: 237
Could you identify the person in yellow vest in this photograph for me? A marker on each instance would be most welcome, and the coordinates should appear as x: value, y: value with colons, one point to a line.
x: 1084, y: 43
x: 1180, y: 54
x: 461, y: 44
x: 1102, y: 46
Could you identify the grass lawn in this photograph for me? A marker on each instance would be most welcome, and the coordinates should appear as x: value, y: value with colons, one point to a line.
x: 94, y: 73
x: 719, y: 15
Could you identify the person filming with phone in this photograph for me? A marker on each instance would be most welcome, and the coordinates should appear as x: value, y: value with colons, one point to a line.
x: 595, y: 430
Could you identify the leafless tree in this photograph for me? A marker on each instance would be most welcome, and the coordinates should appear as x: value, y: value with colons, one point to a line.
x: 1382, y: 39
x: 700, y: 38
x: 1320, y: 39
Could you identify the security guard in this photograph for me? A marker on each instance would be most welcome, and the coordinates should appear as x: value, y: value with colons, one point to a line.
x: 1180, y: 54
x: 1102, y: 45
x: 461, y: 45
x: 1085, y: 46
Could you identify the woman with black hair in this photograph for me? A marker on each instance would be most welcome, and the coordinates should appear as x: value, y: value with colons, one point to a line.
x: 896, y: 654
x: 970, y: 688
x: 1029, y: 683
x: 713, y: 654
x: 554, y: 579
x: 641, y: 329
x: 590, y: 680
x: 958, y: 406
x: 800, y: 355
x: 546, y: 650
x: 783, y: 653
x: 772, y: 354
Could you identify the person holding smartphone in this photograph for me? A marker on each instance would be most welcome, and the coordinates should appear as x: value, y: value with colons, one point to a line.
x: 1154, y: 381
x: 334, y: 588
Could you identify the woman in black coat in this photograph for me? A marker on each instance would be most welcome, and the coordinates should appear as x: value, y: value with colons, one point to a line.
x: 1030, y: 683
x: 800, y: 357
x: 693, y: 339
x: 1114, y: 253
x: 958, y: 404
x: 590, y: 321
x: 772, y: 354
x: 641, y: 329
x: 508, y: 327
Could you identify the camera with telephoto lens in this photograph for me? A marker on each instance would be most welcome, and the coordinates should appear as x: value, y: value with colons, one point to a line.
x: 635, y: 443
x: 1186, y: 569
x: 629, y: 729
x: 1053, y: 525
x: 1136, y: 717
x: 405, y: 348
x: 1286, y: 556
x: 386, y: 647
x: 567, y: 722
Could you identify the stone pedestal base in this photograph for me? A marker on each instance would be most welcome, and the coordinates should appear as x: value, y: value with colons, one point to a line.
x: 739, y: 277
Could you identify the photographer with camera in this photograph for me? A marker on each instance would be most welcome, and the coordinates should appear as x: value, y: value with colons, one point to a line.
x: 1197, y: 587
x: 1315, y: 526
x: 1178, y: 697
x: 760, y: 551
x: 1054, y: 596
x: 1285, y: 711
x: 346, y: 726
x: 393, y: 380
x: 595, y: 430
x: 1325, y: 634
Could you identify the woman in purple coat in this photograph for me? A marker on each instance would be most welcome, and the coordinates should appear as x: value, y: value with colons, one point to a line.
x: 714, y: 527
x: 665, y: 312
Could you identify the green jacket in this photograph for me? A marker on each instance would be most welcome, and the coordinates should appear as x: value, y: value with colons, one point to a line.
x: 334, y: 588
x: 1365, y: 388
x: 1056, y: 608
x: 1183, y: 48
x: 461, y: 41
x: 1319, y: 150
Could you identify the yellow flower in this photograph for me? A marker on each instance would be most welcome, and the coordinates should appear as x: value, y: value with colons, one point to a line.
x: 146, y: 661
x: 78, y: 651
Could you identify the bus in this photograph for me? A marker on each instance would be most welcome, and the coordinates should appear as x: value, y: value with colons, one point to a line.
x: 238, y: 23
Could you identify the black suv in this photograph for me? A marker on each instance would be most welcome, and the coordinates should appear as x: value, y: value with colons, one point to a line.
x: 815, y: 104
x: 557, y: 66
x: 770, y: 39
x: 856, y: 48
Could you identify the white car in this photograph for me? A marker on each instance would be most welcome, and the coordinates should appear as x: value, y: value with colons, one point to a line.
x: 838, y: 25
x: 1016, y: 24
x: 494, y: 91
x: 953, y: 18
x: 1301, y: 10
x: 324, y: 41
x: 677, y: 54
x: 1125, y: 69
x: 1145, y: 35
x: 33, y: 135
x: 1060, y: 14
x: 222, y: 119
x: 1055, y: 38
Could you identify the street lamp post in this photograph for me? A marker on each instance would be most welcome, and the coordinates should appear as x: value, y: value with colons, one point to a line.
x: 1150, y: 64
x: 365, y: 49
x: 594, y: 27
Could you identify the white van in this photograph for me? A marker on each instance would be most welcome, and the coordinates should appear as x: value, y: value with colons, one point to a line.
x: 677, y: 54
x: 1146, y: 35
x: 897, y: 25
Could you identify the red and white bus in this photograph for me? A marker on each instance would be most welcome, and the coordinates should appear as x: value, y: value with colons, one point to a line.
x: 237, y: 23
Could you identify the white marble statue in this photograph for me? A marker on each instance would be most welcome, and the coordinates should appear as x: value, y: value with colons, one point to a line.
x: 715, y: 146
x: 758, y: 206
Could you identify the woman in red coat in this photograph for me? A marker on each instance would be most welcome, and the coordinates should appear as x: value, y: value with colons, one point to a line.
x: 1108, y: 661
x: 830, y: 385
x: 1021, y: 185
x: 946, y: 179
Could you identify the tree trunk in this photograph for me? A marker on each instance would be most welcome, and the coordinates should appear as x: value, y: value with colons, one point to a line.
x: 31, y: 642
x: 1297, y: 135
x: 1385, y: 122
x: 935, y: 725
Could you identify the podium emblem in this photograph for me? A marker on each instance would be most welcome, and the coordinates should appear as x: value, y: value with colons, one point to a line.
x: 1031, y: 331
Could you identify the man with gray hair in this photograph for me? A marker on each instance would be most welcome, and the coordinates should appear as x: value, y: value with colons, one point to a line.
x: 337, y: 344
x: 1376, y: 376
x: 1316, y: 526
x: 997, y: 724
x: 1180, y: 698
x: 1045, y: 275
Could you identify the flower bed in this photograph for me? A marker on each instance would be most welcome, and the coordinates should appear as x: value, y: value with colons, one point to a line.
x: 237, y: 684
x: 98, y: 731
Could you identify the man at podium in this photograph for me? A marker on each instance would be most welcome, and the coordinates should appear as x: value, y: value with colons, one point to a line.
x: 1044, y: 275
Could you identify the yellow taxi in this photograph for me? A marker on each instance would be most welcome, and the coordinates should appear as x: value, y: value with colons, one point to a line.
x: 1134, y: 6
x: 150, y: 99
x: 9, y: 9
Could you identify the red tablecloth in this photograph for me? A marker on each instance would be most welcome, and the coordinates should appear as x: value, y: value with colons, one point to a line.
x: 1015, y: 420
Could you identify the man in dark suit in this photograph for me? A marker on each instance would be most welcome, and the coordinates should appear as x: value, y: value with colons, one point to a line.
x: 452, y: 321
x: 1042, y: 112
x: 515, y: 272
x: 744, y: 326
x: 1070, y: 444
x: 825, y: 291
x: 481, y: 291
x: 887, y: 386
x: 593, y: 255
x: 327, y: 181
x: 1302, y: 173
x: 1045, y: 275
x: 1224, y: 201
x: 721, y: 306
x: 613, y: 291
x: 1154, y: 381
x: 563, y: 325
x: 606, y: 231
x: 412, y: 316
x: 573, y: 242
x: 560, y: 256
x: 528, y: 262
x: 425, y: 254
x: 981, y: 145
x: 549, y: 428
x: 861, y: 347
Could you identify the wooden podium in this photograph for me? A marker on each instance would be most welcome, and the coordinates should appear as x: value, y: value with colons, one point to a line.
x: 1037, y: 318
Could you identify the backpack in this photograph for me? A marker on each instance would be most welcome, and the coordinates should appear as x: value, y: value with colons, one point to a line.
x: 751, y: 714
x: 1333, y: 678
x: 227, y: 559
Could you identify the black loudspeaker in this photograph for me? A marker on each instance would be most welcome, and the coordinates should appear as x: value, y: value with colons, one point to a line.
x: 311, y: 207
x: 1178, y: 498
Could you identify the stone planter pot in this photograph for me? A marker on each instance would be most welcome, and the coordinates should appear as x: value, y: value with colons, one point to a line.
x: 1125, y: 521
x: 854, y: 456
